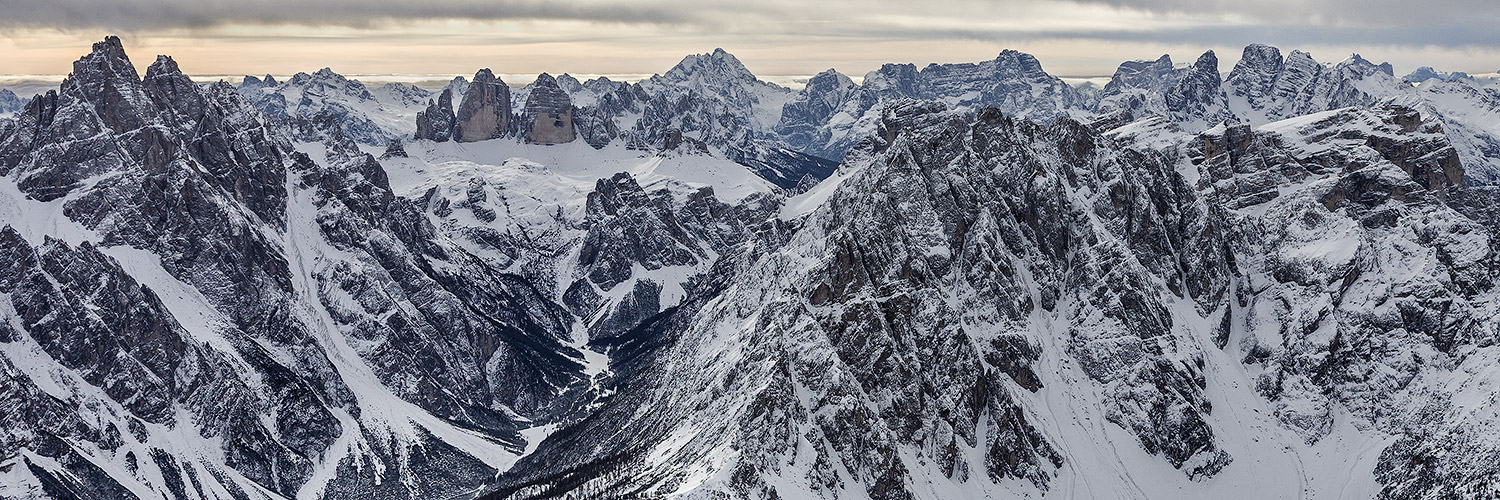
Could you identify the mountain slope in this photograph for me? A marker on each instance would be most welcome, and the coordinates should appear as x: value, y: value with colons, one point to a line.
x: 307, y: 333
x: 971, y: 347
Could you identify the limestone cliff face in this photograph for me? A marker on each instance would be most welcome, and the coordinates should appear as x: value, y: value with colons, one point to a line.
x: 548, y: 115
x: 485, y: 111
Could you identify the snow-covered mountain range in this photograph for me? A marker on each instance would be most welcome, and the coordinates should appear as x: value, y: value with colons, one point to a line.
x: 958, y: 281
x: 9, y: 103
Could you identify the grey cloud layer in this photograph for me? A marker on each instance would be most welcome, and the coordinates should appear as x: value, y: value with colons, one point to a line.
x: 1328, y: 12
x: 1451, y: 23
x: 1448, y: 23
x: 159, y: 14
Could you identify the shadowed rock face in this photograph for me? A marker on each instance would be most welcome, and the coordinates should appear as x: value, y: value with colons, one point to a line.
x: 548, y: 115
x: 1142, y: 75
x: 484, y: 113
x: 1191, y: 97
x: 436, y: 123
x: 803, y: 119
x: 1275, y: 88
x: 1199, y: 94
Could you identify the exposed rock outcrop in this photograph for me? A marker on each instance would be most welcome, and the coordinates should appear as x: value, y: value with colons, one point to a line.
x: 485, y: 112
x: 394, y: 150
x: 437, y: 122
x: 548, y: 115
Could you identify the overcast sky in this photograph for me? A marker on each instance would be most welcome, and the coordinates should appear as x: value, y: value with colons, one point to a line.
x: 772, y: 37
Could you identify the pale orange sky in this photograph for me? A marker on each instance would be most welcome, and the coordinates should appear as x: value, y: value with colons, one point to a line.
x: 1070, y: 39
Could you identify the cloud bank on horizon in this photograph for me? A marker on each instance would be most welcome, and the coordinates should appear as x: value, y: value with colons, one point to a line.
x: 1456, y: 27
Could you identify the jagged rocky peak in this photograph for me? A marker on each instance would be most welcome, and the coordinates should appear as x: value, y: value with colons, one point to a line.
x: 895, y: 79
x: 717, y: 65
x: 1260, y: 55
x: 326, y: 79
x: 253, y: 82
x: 302, y: 77
x: 175, y: 95
x: 1191, y: 97
x: 458, y: 85
x: 824, y: 90
x: 437, y: 121
x: 1426, y: 73
x: 548, y: 115
x: 1298, y: 71
x: 368, y: 116
x: 1202, y: 74
x: 599, y: 92
x: 720, y: 76
x: 184, y: 193
x: 1198, y: 97
x: 1011, y: 60
x: 1363, y: 67
x: 1257, y: 70
x: 803, y: 117
x: 1207, y: 63
x: 263, y: 92
x: 1264, y: 87
x: 1013, y: 81
x: 569, y: 84
x: 485, y: 111
x: 402, y: 94
x: 111, y: 48
x: 1143, y: 75
x: 1014, y: 63
x: 252, y: 393
x: 9, y: 102
x: 830, y: 81
x: 36, y: 114
x: 603, y: 85
x: 107, y: 80
x: 165, y: 73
